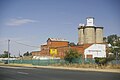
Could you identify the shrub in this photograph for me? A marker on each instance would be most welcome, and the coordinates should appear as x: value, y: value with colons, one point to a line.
x: 72, y: 55
x: 100, y: 61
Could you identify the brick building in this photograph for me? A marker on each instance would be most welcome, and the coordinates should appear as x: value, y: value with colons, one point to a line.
x: 90, y: 43
x: 52, y: 43
x: 61, y: 45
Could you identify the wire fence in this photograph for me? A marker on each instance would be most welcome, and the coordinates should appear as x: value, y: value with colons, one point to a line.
x: 114, y: 62
x: 51, y: 61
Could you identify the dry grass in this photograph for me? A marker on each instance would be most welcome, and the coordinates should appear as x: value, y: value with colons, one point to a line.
x: 95, y: 66
x: 111, y: 66
x: 25, y: 58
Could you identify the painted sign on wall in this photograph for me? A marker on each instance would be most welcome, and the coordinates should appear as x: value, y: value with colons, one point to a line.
x: 53, y: 51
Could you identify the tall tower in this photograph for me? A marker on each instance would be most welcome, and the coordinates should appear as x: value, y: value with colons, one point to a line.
x: 89, y: 34
x: 99, y: 34
x: 81, y: 34
x: 90, y: 31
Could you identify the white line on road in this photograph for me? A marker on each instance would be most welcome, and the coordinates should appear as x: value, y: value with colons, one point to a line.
x: 22, y: 73
x: 15, y: 67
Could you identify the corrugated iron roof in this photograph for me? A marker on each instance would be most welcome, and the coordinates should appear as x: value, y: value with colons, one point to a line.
x: 57, y: 39
x: 44, y: 44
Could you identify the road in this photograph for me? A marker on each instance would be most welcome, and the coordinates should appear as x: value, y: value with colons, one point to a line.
x: 23, y: 73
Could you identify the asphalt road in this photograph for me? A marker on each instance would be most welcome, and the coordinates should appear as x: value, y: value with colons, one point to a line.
x: 22, y: 73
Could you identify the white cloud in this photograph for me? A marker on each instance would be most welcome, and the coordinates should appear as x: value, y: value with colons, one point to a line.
x: 19, y: 21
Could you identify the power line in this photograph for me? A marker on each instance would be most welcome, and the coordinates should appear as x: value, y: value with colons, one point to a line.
x: 1, y: 41
x: 25, y: 44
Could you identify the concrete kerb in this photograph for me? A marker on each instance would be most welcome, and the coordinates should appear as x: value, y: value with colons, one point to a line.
x: 81, y: 69
x: 63, y: 68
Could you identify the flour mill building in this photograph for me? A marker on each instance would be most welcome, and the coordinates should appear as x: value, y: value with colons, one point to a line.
x: 89, y: 33
x: 90, y: 43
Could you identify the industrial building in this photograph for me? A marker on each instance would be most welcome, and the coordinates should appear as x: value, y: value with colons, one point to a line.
x: 90, y: 43
x: 89, y: 33
x: 52, y: 44
x: 57, y: 47
x: 95, y: 50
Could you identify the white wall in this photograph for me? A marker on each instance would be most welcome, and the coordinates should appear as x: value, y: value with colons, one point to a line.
x: 96, y: 50
x: 44, y: 57
x: 7, y: 59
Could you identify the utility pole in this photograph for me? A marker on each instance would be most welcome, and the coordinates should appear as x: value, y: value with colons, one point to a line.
x: 19, y: 54
x: 116, y: 49
x: 8, y: 49
x: 116, y: 57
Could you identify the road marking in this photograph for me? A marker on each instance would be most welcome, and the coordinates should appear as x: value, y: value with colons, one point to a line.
x: 22, y: 73
x: 15, y: 67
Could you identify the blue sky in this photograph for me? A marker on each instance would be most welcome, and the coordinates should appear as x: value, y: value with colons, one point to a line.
x: 32, y: 22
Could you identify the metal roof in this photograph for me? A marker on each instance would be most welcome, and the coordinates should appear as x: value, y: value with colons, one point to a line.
x: 57, y: 39
x: 44, y: 44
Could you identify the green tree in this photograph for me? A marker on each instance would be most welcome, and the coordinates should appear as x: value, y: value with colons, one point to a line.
x: 30, y: 54
x: 104, y: 39
x: 0, y: 55
x: 112, y: 39
x: 26, y: 54
x: 5, y: 55
x: 72, y: 44
x: 100, y: 61
x: 71, y: 54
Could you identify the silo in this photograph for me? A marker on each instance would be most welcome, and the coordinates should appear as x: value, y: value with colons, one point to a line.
x: 89, y: 34
x: 81, y: 35
x: 99, y: 34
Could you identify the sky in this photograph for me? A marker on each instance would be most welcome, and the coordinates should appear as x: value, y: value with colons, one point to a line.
x: 29, y: 23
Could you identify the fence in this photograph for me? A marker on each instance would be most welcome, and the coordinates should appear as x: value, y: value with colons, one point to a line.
x: 18, y: 61
x: 48, y: 62
x: 114, y: 62
x: 51, y: 61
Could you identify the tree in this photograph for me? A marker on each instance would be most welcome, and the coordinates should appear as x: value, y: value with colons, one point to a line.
x: 112, y: 39
x: 5, y: 55
x: 72, y: 44
x: 100, y: 61
x: 30, y: 54
x: 70, y: 55
x: 104, y: 39
x: 26, y: 54
x: 118, y: 43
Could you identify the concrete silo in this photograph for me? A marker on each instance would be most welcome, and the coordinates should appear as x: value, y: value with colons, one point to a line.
x: 89, y: 31
x: 99, y: 34
x: 81, y: 34
x: 89, y: 34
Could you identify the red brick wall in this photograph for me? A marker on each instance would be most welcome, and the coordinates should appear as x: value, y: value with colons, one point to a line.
x: 35, y: 53
x: 43, y: 47
x: 57, y: 43
x: 61, y: 51
x: 61, y: 47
